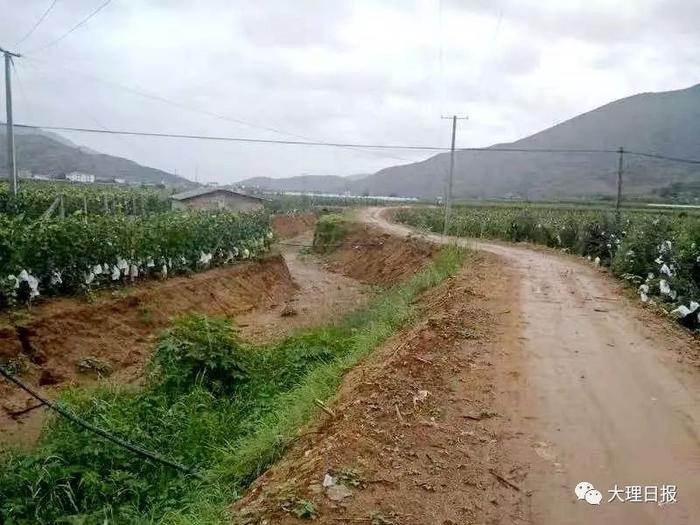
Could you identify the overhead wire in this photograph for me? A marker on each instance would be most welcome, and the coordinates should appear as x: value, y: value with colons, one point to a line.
x: 662, y: 157
x: 181, y: 105
x: 72, y: 29
x: 38, y: 23
x: 492, y: 149
x: 233, y: 139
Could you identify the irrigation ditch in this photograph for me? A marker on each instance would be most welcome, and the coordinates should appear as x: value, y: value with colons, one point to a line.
x: 167, y: 367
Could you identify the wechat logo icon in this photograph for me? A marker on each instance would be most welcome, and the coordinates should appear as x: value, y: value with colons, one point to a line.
x: 586, y: 491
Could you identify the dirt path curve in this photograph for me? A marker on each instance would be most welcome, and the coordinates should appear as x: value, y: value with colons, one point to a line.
x: 610, y: 394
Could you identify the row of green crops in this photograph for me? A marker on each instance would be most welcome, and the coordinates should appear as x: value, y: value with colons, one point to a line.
x: 659, y: 253
x: 35, y: 198
x: 59, y: 256
x: 209, y: 400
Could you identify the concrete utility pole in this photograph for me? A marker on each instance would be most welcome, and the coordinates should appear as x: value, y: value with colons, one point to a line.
x: 11, y: 163
x: 621, y: 152
x: 448, y: 192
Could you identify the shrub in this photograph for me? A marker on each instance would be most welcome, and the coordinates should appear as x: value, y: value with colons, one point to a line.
x: 199, y: 350
x: 330, y: 230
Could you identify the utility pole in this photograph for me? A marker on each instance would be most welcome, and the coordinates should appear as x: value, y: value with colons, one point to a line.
x: 11, y: 163
x: 450, y: 176
x: 620, y: 152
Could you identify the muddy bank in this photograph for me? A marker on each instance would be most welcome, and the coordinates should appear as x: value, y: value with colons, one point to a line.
x: 371, y: 255
x: 293, y: 225
x: 322, y: 297
x: 416, y: 435
x: 73, y: 341
x: 334, y: 284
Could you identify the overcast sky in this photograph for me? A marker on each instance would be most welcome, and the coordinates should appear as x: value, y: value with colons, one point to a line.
x: 335, y: 70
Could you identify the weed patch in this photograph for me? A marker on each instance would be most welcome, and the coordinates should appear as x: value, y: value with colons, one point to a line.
x: 330, y: 230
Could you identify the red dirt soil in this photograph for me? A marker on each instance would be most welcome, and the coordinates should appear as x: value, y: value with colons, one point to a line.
x: 322, y: 297
x: 118, y: 329
x: 328, y: 291
x: 417, y: 434
x: 392, y: 260
x: 293, y: 224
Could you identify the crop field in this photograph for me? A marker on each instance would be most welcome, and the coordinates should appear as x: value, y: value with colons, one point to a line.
x: 657, y: 252
x: 36, y: 197
x: 127, y: 234
x: 62, y: 256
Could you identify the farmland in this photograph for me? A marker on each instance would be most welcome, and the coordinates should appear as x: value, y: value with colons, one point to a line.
x: 36, y: 197
x: 61, y: 256
x: 127, y: 234
x: 657, y: 252
x: 435, y: 330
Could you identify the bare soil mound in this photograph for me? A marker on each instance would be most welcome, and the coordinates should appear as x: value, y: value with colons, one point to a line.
x: 372, y: 256
x: 71, y: 340
x: 292, y: 225
x: 416, y: 435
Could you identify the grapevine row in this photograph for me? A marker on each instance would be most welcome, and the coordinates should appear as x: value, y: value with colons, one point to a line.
x: 64, y: 256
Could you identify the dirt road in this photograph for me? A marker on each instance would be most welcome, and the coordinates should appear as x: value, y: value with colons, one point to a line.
x: 608, y: 394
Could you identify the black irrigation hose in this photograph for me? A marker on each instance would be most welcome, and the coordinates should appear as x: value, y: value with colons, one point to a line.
x: 96, y: 430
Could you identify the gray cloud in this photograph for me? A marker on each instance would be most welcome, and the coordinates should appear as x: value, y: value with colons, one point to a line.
x: 361, y: 71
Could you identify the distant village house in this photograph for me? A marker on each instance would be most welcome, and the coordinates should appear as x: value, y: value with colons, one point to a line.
x: 216, y: 199
x: 79, y: 176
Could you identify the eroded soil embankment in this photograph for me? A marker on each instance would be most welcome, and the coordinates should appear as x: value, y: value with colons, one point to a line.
x: 417, y: 434
x: 72, y: 341
x: 68, y: 341
x: 372, y: 256
x: 293, y: 224
x: 333, y: 285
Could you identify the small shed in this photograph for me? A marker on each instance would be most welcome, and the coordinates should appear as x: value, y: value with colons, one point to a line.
x: 216, y: 199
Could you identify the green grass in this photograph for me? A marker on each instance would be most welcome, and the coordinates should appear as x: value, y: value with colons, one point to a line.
x: 211, y: 402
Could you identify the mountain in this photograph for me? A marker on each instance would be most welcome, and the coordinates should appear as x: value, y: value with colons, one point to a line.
x: 47, y: 153
x: 356, y: 176
x: 50, y: 135
x: 666, y: 123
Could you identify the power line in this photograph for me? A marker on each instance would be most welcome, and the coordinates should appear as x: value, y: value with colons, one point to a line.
x: 662, y: 157
x: 75, y: 27
x: 220, y: 138
x: 234, y: 139
x: 136, y: 449
x: 37, y: 24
